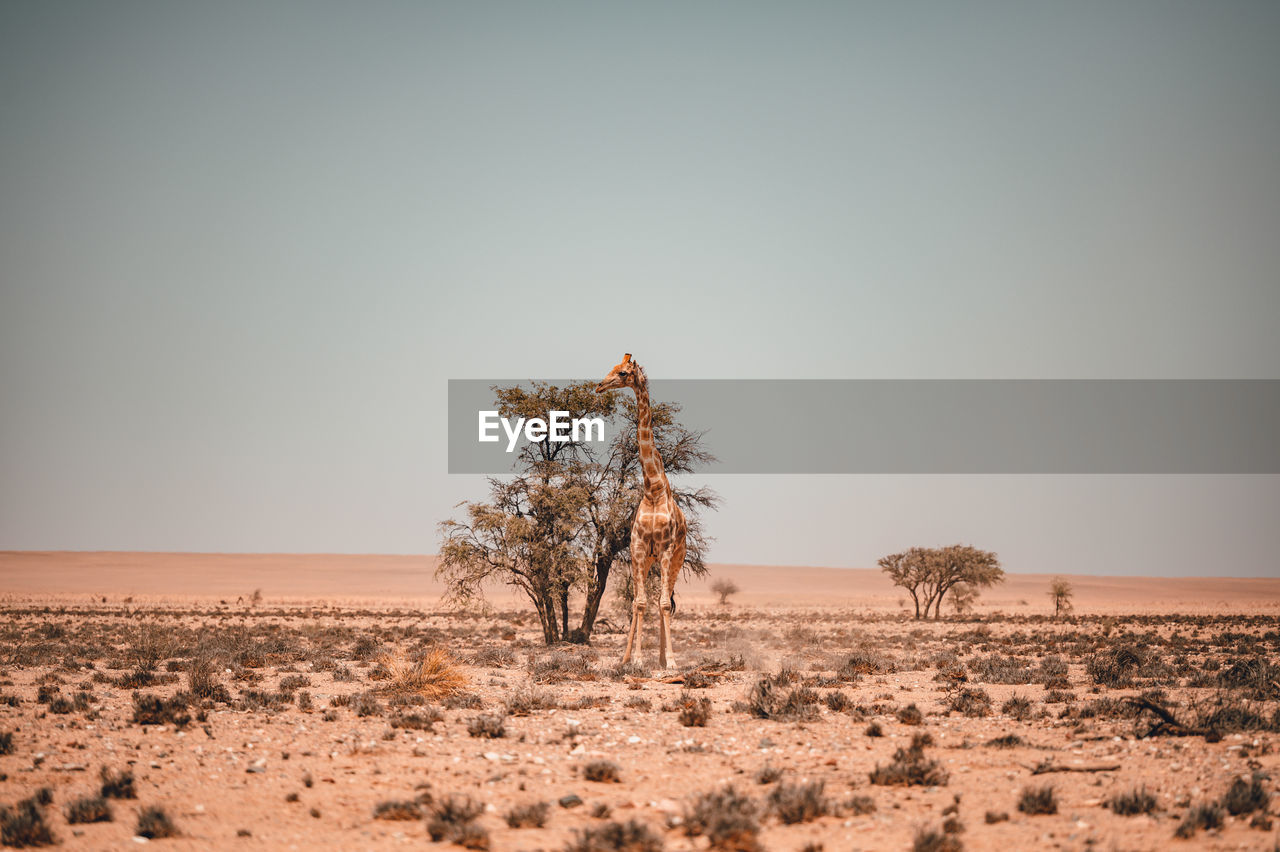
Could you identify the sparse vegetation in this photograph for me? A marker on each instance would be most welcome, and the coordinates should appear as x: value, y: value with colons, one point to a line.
x: 694, y: 712
x: 434, y: 675
x: 726, y: 818
x: 1245, y: 797
x: 910, y: 767
x: 1135, y: 802
x: 69, y: 676
x: 603, y: 771
x: 800, y: 802
x: 528, y: 816
x: 396, y: 809
x: 453, y: 819
x: 23, y: 825
x: 629, y: 836
x: 1205, y: 816
x: 933, y: 840
x: 487, y: 726
x: 154, y: 823
x: 89, y: 809
x: 117, y: 784
x: 1038, y: 801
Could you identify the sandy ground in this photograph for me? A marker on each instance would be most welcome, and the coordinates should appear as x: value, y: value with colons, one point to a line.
x: 410, y: 579
x: 294, y: 774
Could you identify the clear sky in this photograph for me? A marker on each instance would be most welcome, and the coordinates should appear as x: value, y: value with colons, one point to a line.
x: 243, y: 247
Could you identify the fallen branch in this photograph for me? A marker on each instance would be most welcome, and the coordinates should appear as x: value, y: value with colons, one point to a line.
x: 1047, y: 767
x: 1167, y: 723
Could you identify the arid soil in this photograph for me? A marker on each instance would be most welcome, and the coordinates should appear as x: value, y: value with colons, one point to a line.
x: 304, y: 718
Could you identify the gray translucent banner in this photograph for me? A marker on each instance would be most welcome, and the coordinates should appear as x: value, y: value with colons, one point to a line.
x: 942, y: 426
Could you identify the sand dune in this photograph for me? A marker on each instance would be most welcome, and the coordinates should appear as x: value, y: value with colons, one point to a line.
x: 389, y: 578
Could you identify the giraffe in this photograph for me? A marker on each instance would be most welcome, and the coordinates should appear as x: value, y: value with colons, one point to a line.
x: 658, y: 531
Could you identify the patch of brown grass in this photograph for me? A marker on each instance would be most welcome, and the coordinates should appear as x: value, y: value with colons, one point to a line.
x: 433, y: 676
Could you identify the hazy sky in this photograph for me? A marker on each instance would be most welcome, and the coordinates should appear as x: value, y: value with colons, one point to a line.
x: 243, y: 247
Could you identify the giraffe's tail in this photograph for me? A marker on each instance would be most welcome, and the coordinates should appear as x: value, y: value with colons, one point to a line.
x: 673, y: 601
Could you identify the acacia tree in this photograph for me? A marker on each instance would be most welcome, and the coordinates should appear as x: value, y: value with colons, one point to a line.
x: 1060, y: 593
x: 928, y: 574
x: 724, y: 587
x: 563, y: 521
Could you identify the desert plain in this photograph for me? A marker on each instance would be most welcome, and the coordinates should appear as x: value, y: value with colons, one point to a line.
x: 334, y: 702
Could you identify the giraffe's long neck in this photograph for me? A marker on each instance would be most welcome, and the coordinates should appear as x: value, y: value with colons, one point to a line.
x: 655, y: 478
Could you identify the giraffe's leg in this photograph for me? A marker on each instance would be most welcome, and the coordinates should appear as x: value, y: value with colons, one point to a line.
x: 640, y: 562
x: 672, y: 562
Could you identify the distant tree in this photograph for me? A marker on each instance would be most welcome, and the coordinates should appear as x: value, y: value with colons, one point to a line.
x: 1060, y: 592
x: 563, y: 521
x: 909, y: 570
x: 724, y: 587
x: 928, y: 574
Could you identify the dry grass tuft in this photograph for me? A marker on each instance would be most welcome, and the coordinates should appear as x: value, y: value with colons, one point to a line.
x: 154, y: 823
x: 433, y: 676
x: 24, y: 825
x: 630, y: 836
x: 1038, y: 801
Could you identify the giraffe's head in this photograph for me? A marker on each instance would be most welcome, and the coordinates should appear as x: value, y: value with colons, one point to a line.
x: 626, y: 375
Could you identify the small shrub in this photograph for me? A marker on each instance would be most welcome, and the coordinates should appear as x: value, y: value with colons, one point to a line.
x: 527, y: 701
x: 994, y: 817
x: 6, y: 742
x: 89, y: 809
x: 154, y: 710
x: 837, y: 701
x: 970, y: 701
x: 629, y: 836
x: 1000, y: 669
x: 528, y: 816
x: 694, y: 712
x: 910, y: 715
x: 767, y: 701
x: 874, y: 730
x: 857, y: 806
x: 1137, y: 801
x: 1206, y: 815
x: 1245, y: 797
x: 726, y: 818
x: 768, y: 774
x: 910, y: 767
x: 1115, y: 667
x: 117, y: 785
x: 603, y: 771
x: 1038, y: 801
x: 864, y: 663
x: 293, y: 683
x: 487, y: 726
x: 23, y: 825
x: 154, y: 823
x: 397, y: 810
x: 367, y: 704
x: 203, y: 683
x: 1007, y: 741
x: 450, y: 817
x: 417, y: 721
x: 1018, y: 706
x: 795, y: 803
x: 933, y: 840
